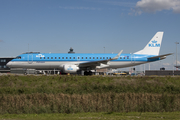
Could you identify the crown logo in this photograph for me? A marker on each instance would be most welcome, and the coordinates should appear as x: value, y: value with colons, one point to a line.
x: 154, y: 41
x: 40, y: 55
x: 70, y: 68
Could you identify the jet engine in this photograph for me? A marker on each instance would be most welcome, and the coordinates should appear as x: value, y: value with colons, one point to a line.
x: 70, y: 68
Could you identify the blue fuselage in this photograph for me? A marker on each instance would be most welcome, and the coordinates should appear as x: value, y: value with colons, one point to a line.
x: 58, y: 60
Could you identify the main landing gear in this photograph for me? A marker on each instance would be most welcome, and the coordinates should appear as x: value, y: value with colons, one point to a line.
x: 87, y: 73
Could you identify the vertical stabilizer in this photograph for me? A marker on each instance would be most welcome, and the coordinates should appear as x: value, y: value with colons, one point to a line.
x: 153, y: 47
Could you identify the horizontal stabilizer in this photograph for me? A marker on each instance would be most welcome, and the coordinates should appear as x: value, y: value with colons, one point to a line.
x: 160, y: 56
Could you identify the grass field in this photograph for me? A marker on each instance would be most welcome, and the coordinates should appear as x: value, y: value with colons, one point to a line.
x: 88, y: 94
x: 95, y: 116
x: 87, y: 84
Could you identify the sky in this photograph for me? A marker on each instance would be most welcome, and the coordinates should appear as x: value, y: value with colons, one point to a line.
x: 89, y: 26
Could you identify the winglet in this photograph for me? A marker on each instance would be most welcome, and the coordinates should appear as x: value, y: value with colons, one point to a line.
x: 117, y: 56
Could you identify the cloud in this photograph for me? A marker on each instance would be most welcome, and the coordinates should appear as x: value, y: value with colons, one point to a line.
x: 166, y: 64
x: 80, y: 8
x: 178, y: 62
x: 160, y: 64
x: 118, y: 3
x: 1, y: 41
x: 112, y: 3
x: 152, y: 6
x: 170, y: 66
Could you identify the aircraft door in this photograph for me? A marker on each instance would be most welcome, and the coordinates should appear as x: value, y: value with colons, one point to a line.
x: 132, y: 58
x: 30, y: 58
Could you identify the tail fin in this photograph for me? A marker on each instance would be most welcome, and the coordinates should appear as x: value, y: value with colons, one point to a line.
x: 153, y: 47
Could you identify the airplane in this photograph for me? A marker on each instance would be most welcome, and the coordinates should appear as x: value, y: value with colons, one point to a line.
x: 71, y: 63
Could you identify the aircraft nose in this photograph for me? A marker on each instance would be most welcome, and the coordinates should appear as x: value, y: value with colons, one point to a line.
x: 9, y: 64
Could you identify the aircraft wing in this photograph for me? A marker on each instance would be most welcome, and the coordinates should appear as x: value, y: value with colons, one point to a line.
x: 97, y: 63
x: 160, y: 56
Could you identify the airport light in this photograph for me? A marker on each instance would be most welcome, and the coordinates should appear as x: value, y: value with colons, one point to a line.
x: 149, y: 66
x: 173, y: 64
x: 176, y: 52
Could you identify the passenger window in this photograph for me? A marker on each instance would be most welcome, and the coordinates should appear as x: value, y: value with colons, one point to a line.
x: 127, y: 57
x: 51, y: 57
x: 73, y: 57
x: 120, y: 57
x: 62, y: 57
x: 103, y: 58
x: 86, y: 57
x: 124, y: 57
x: 97, y: 57
x: 47, y: 57
x: 69, y: 57
x: 40, y: 57
x: 82, y: 57
x: 78, y: 58
x: 55, y: 57
x: 89, y: 57
x: 66, y: 57
x: 93, y: 57
x: 100, y: 57
x: 59, y: 57
x: 44, y: 58
x: 107, y: 57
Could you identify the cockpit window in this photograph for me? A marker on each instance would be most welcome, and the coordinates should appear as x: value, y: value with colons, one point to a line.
x: 18, y: 57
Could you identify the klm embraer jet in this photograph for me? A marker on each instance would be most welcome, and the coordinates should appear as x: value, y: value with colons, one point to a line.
x: 71, y: 63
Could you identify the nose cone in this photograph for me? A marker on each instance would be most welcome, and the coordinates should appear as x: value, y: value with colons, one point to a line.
x: 9, y: 64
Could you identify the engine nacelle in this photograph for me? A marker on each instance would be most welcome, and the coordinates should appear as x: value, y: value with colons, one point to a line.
x: 102, y: 66
x: 70, y: 68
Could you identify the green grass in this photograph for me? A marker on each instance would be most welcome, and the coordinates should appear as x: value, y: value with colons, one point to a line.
x: 87, y: 84
x: 95, y: 116
x: 75, y: 94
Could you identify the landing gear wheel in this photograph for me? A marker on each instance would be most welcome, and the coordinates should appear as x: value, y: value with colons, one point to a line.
x: 87, y: 73
x: 90, y: 73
